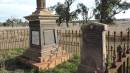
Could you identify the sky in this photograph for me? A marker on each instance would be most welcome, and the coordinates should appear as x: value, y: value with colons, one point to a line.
x: 21, y: 8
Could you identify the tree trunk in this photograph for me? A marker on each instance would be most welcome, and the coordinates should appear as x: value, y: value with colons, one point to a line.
x: 103, y: 11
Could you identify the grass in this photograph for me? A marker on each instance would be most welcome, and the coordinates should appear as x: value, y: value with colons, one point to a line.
x: 9, y: 64
x: 66, y: 67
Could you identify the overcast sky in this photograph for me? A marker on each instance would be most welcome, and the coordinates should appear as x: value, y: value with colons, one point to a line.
x: 21, y: 8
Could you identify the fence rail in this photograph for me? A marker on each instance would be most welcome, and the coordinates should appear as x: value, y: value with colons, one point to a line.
x: 14, y: 37
x: 69, y: 40
x: 118, y: 52
x: 117, y: 44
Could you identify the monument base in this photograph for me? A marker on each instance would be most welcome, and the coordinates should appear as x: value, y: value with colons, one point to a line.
x: 47, y: 63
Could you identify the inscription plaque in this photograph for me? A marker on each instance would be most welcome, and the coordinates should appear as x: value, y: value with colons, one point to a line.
x: 35, y: 37
x: 49, y: 37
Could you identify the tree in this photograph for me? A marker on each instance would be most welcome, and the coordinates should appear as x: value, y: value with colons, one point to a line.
x: 83, y: 10
x: 107, y: 9
x: 60, y: 10
x: 14, y: 22
x: 0, y: 23
x: 9, y: 22
x: 63, y: 10
x: 68, y: 3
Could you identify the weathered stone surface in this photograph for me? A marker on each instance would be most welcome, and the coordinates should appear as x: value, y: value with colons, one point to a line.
x: 41, y: 4
x: 43, y: 52
x: 93, y: 51
x: 35, y: 38
x: 41, y: 12
x: 49, y: 35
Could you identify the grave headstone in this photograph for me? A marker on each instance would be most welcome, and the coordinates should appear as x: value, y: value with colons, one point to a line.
x: 93, y: 49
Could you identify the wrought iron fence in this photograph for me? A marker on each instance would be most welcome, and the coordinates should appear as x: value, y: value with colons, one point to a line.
x: 69, y: 40
x: 14, y: 37
x: 117, y: 44
x: 118, y: 52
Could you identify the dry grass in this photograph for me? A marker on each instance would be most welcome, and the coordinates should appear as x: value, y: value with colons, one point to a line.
x: 8, y: 62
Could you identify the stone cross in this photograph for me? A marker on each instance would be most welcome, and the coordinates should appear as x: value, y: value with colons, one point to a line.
x: 41, y: 4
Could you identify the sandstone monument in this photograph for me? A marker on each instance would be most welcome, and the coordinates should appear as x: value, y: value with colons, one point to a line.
x: 43, y: 51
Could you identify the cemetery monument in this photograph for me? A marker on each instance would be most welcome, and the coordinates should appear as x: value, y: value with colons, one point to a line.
x: 43, y: 51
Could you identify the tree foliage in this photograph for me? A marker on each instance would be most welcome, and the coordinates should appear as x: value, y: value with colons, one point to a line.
x: 15, y: 22
x: 64, y: 12
x: 0, y: 23
x: 106, y: 10
x: 83, y: 10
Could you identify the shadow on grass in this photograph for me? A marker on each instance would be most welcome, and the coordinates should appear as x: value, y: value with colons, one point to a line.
x: 9, y: 63
x: 14, y: 66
